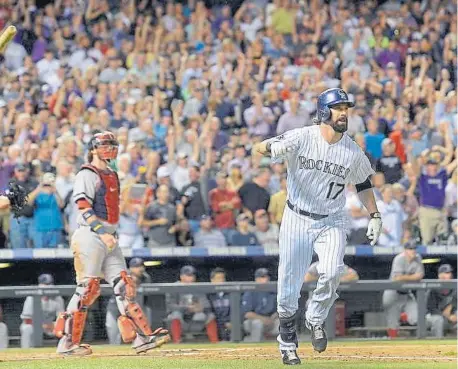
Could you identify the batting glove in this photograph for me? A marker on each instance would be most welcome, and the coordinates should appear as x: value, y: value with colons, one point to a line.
x: 374, y: 229
x: 279, y: 148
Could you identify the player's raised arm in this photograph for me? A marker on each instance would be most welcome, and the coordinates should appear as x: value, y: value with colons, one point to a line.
x: 280, y: 145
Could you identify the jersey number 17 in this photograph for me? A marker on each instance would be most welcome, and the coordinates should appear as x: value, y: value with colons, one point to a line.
x: 339, y: 188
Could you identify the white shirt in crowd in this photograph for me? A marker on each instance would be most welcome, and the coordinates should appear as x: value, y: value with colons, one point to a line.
x: 354, y: 202
x: 393, y: 216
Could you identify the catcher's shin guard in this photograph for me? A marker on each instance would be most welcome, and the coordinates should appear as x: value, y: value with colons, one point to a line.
x: 125, y: 291
x: 127, y: 328
x: 59, y: 326
x: 72, y: 322
x: 79, y: 321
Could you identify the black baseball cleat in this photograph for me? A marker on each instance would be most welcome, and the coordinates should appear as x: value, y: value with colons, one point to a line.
x: 290, y: 357
x: 319, y: 339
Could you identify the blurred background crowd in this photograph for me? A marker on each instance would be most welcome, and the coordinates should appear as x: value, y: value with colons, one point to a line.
x: 189, y: 86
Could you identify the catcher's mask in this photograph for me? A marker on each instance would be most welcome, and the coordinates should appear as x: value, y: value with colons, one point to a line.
x: 105, y: 145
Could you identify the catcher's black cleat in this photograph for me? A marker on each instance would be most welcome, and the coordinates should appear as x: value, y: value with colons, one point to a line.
x: 290, y: 357
x: 319, y: 339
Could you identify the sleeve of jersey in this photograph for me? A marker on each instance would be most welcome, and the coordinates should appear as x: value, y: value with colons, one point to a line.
x: 291, y: 140
x: 361, y: 170
x: 85, y: 186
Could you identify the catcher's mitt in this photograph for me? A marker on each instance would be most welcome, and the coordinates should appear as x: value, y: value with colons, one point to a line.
x: 17, y: 196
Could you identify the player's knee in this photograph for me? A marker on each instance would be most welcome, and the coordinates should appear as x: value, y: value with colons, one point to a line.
x: 89, y: 291
x: 124, y: 286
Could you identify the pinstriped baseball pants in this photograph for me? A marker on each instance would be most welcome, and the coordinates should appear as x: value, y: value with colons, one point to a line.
x: 300, y: 236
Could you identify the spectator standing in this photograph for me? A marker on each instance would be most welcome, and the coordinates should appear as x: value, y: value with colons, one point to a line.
x: 277, y: 203
x: 48, y: 221
x: 406, y: 267
x: 224, y: 203
x: 393, y: 218
x: 431, y: 183
x: 258, y: 117
x: 389, y: 163
x: 208, y: 236
x: 220, y: 305
x: 64, y: 179
x: 266, y: 233
x: 192, y: 199
x: 294, y: 118
x: 159, y: 218
x: 259, y: 311
x: 22, y: 228
x: 254, y: 195
x: 374, y: 139
x: 359, y: 218
x: 129, y: 231
x: 242, y: 236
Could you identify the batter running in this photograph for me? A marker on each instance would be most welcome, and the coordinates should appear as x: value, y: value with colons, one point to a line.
x: 97, y: 255
x: 321, y: 161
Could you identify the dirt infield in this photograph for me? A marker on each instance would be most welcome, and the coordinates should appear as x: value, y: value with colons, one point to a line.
x: 430, y: 351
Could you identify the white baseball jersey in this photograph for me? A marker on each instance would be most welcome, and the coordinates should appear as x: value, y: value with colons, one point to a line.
x: 318, y: 171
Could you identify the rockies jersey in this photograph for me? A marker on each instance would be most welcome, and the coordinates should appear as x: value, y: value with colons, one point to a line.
x: 318, y: 171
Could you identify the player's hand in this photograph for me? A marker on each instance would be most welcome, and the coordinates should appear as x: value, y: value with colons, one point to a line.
x: 374, y: 229
x: 109, y: 240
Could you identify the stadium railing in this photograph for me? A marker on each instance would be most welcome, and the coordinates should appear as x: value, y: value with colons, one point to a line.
x: 235, y: 289
x: 231, y: 251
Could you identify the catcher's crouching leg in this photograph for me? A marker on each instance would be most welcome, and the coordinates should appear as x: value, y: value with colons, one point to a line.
x: 132, y: 323
x: 69, y: 326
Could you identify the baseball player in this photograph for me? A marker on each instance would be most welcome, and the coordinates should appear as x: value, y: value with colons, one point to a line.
x: 98, y: 255
x: 406, y: 267
x: 51, y: 307
x: 321, y: 159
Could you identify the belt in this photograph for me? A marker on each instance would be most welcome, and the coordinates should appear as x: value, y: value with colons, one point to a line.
x: 305, y: 213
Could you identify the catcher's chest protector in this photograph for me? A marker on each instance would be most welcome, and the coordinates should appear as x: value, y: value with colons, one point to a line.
x: 106, y: 201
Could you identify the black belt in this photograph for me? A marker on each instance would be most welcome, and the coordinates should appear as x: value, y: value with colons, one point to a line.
x: 305, y: 213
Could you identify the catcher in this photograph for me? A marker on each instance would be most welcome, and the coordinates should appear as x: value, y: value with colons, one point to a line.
x: 15, y: 197
x: 97, y: 255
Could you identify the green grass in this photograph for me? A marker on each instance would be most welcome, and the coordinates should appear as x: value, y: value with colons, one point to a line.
x: 249, y: 356
x: 171, y: 363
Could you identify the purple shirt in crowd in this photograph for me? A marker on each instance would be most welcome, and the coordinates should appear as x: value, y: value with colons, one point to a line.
x: 432, y: 189
x: 387, y: 56
x: 6, y: 172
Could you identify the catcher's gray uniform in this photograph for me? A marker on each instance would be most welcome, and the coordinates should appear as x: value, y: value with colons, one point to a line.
x: 396, y: 302
x: 92, y: 257
x: 51, y: 307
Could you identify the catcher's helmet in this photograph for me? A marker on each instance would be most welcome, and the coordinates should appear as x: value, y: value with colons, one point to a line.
x: 105, y: 144
x: 328, y: 99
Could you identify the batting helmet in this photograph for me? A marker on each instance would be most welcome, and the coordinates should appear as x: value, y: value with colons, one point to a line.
x: 105, y: 144
x: 328, y: 99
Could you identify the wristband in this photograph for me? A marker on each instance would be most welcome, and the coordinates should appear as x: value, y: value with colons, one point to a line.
x: 269, y: 146
x: 96, y: 225
x: 376, y: 215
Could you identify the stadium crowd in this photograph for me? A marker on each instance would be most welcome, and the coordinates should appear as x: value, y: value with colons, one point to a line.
x: 188, y: 87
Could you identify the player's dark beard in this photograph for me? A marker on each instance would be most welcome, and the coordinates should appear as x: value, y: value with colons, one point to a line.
x: 338, y: 125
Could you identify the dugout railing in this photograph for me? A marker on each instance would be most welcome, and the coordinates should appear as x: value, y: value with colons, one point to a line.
x: 235, y: 289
